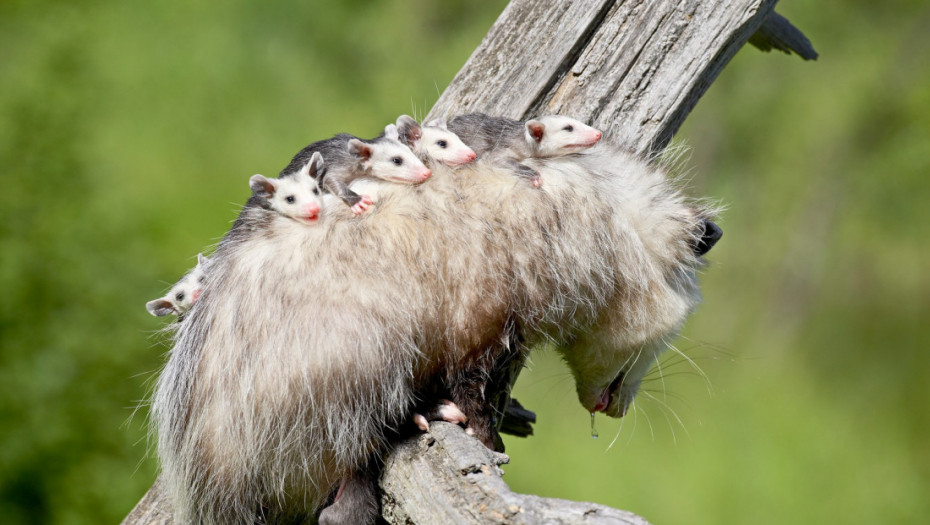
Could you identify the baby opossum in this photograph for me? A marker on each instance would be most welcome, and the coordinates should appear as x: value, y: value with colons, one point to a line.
x: 432, y: 141
x: 510, y: 142
x: 296, y: 196
x: 183, y: 294
x: 349, y: 158
x: 312, y: 343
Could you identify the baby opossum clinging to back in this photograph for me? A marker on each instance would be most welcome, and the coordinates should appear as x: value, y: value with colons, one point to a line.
x: 510, y: 142
x: 183, y: 294
x: 306, y: 348
x: 296, y: 196
x: 349, y: 158
x: 432, y: 141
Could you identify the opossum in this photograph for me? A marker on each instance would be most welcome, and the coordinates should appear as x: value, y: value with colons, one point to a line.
x: 296, y: 196
x: 349, y: 158
x: 432, y: 141
x: 311, y: 344
x: 183, y: 294
x: 510, y: 142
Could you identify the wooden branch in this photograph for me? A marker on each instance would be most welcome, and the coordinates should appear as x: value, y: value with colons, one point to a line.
x: 441, y: 477
x: 634, y: 69
x: 153, y: 509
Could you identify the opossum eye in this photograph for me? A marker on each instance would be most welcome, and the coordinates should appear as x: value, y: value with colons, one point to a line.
x: 568, y: 128
x: 290, y: 199
x: 397, y: 160
x: 316, y: 191
x: 202, y: 279
x: 442, y: 144
x: 179, y: 296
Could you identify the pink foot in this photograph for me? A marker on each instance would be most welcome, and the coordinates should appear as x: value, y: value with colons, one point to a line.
x: 448, y: 411
x: 445, y: 411
x: 420, y: 421
x: 362, y: 206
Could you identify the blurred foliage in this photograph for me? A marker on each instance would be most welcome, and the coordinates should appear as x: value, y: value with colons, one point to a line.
x: 127, y: 133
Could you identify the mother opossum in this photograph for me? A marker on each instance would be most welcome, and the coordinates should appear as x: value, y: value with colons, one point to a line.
x: 310, y: 341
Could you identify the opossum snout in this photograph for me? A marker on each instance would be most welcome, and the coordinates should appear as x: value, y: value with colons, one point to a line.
x: 311, y: 211
x: 712, y: 234
x: 196, y: 295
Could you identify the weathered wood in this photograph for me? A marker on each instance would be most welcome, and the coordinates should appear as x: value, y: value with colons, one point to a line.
x: 633, y: 68
x: 153, y: 509
x: 419, y: 472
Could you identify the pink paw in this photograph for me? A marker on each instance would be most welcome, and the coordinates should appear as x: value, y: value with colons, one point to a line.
x: 445, y: 411
x: 362, y: 205
x: 536, y: 181
x: 420, y: 421
x: 451, y: 413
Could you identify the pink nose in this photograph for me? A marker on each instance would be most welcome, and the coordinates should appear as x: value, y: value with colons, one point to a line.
x: 597, y: 135
x: 471, y: 156
x: 426, y: 173
x: 602, y: 401
x: 311, y: 210
x: 196, y: 295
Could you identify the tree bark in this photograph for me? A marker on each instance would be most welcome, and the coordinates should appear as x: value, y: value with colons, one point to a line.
x: 632, y: 68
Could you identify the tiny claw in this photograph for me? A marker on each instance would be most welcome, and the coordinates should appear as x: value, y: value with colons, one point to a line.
x: 451, y: 413
x: 537, y: 181
x: 360, y: 207
x: 470, y: 431
x: 367, y: 200
x: 421, y: 422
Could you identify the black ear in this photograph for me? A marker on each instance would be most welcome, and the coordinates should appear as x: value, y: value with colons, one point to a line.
x: 409, y: 130
x: 360, y: 149
x: 535, y: 130
x: 262, y: 186
x: 712, y: 234
x: 160, y: 307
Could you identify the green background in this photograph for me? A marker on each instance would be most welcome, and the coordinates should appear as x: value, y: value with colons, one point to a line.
x: 128, y: 131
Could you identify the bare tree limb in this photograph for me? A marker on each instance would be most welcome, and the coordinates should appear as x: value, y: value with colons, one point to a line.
x: 634, y: 69
x: 441, y: 477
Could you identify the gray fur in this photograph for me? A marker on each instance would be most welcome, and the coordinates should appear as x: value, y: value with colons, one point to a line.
x: 311, y: 342
x: 348, y: 158
x: 510, y: 143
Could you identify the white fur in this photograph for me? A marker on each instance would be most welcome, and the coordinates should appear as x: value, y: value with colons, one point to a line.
x: 183, y: 294
x: 560, y: 135
x: 432, y: 141
x: 443, y: 146
x: 311, y: 341
x: 392, y: 161
x: 295, y: 196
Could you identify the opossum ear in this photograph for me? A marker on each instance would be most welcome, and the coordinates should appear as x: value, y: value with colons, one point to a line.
x: 535, y: 130
x: 314, y: 168
x: 391, y: 132
x: 438, y: 123
x: 201, y: 260
x: 409, y: 129
x: 360, y: 149
x: 261, y: 186
x: 160, y: 307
